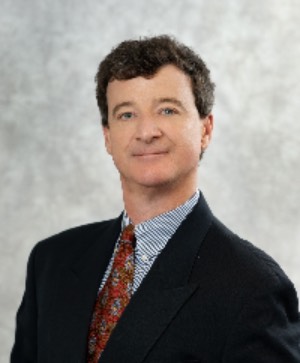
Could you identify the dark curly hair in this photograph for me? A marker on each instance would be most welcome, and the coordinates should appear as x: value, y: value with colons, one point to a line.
x: 144, y: 57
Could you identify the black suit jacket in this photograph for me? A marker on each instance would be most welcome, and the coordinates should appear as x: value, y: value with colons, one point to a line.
x: 209, y: 297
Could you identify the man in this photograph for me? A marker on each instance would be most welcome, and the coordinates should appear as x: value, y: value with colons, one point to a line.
x: 177, y: 285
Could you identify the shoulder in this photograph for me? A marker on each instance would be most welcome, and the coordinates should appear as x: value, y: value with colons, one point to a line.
x: 261, y: 303
x: 72, y: 243
x: 239, y: 263
x: 76, y: 235
x: 241, y: 279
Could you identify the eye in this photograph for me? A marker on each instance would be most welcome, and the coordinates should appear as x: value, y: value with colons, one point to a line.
x: 168, y: 111
x: 126, y: 116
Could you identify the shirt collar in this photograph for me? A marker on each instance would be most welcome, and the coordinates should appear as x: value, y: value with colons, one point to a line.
x: 152, y: 235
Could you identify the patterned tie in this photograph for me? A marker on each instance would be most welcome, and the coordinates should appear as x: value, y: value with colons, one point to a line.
x: 114, y: 296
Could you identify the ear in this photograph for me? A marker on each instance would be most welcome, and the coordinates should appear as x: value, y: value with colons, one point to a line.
x: 207, y: 129
x: 106, y: 134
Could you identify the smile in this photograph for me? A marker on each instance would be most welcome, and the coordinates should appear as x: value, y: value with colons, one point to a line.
x: 151, y: 155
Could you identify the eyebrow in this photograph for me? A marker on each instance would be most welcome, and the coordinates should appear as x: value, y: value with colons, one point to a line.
x: 120, y: 105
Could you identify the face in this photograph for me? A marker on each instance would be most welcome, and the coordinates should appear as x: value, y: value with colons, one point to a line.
x: 154, y: 133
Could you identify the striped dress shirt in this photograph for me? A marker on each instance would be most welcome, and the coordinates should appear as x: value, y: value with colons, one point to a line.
x: 152, y: 237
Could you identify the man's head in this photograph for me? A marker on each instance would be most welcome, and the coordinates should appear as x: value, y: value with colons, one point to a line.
x: 155, y: 96
x: 144, y: 57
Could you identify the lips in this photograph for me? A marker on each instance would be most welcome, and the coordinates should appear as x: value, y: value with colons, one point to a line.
x: 149, y: 153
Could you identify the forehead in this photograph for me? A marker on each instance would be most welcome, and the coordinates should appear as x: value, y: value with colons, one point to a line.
x: 168, y: 81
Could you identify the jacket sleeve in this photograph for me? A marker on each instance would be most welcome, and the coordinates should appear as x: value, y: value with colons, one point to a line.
x: 267, y: 328
x: 25, y: 345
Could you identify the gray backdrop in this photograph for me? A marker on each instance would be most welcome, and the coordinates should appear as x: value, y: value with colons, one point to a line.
x: 54, y: 170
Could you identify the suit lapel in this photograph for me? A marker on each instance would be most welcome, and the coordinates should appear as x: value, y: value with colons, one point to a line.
x: 162, y: 293
x: 76, y: 295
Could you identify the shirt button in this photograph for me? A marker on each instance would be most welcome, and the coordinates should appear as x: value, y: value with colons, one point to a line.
x: 144, y: 258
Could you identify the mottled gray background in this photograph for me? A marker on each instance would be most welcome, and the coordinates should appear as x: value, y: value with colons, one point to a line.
x: 54, y: 170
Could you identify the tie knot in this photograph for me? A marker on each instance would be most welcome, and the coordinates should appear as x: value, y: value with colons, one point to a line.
x: 127, y: 234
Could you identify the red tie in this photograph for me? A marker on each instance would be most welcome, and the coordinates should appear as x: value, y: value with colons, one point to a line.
x: 114, y: 296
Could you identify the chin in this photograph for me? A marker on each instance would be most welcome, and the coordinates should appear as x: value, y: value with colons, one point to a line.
x: 152, y: 181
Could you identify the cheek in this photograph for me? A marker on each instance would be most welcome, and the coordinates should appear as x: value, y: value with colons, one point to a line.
x: 191, y: 137
x: 117, y: 143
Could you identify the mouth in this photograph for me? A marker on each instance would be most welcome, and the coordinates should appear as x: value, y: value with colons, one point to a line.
x: 149, y: 154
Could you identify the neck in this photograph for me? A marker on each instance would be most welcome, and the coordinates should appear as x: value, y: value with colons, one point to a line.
x: 145, y: 203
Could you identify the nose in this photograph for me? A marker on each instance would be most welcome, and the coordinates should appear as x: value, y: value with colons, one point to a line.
x: 147, y: 130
